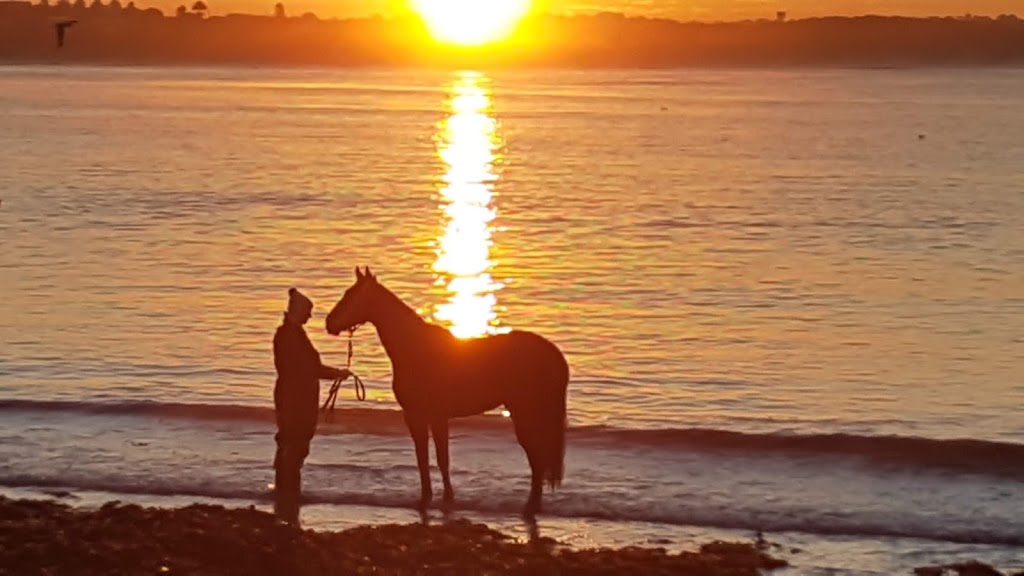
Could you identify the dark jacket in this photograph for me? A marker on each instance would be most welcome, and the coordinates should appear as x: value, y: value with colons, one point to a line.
x: 297, y: 391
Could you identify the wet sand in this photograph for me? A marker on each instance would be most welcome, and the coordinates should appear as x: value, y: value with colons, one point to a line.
x: 46, y: 537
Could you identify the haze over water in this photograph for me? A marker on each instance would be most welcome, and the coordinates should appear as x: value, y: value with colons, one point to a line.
x: 812, y: 252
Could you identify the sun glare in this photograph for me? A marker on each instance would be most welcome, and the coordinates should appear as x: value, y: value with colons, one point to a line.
x: 471, y: 22
x: 467, y: 148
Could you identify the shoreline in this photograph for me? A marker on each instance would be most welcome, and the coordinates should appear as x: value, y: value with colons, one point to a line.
x: 44, y: 536
x: 591, y: 549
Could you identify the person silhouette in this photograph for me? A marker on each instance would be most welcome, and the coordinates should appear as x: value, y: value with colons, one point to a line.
x: 296, y: 397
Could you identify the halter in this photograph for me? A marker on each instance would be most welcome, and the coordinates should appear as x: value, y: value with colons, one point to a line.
x: 357, y: 382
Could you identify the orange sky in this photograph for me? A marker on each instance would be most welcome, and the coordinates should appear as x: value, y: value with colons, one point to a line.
x: 680, y: 9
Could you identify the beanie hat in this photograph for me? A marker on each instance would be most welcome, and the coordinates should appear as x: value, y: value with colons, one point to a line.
x: 298, y: 302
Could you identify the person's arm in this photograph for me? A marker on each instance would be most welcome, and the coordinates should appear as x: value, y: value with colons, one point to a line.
x: 296, y: 359
x: 331, y: 373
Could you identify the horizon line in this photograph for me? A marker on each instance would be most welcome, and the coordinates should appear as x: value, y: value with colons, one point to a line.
x: 782, y: 16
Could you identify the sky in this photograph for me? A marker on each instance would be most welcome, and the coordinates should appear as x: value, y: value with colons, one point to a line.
x: 708, y: 10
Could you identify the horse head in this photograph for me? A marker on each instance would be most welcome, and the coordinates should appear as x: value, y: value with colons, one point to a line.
x: 356, y: 305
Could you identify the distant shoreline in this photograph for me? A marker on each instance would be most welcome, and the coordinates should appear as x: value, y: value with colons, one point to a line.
x: 112, y: 34
x: 244, y: 65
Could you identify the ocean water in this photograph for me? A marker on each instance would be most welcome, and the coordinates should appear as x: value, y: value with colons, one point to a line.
x: 792, y: 301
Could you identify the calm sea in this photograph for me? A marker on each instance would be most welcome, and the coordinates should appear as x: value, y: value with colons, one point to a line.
x: 792, y: 301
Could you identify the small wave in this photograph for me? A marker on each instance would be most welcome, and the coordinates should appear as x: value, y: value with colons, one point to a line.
x: 746, y: 520
x: 1000, y: 459
x: 143, y: 408
x: 1003, y: 459
x: 351, y: 420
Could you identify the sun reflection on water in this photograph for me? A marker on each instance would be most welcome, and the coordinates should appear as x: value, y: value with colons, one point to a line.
x: 467, y: 144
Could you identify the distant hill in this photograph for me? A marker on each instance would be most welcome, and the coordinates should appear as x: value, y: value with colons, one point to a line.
x: 115, y: 33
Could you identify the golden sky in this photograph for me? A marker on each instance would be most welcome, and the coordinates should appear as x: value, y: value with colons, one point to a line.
x: 679, y: 9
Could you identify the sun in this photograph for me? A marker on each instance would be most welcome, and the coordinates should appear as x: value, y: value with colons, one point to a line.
x: 471, y: 22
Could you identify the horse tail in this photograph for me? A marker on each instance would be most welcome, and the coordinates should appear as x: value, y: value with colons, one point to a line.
x: 554, y: 468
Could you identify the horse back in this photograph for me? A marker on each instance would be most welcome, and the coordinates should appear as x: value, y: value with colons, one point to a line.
x: 470, y: 376
x: 517, y: 352
x: 502, y: 368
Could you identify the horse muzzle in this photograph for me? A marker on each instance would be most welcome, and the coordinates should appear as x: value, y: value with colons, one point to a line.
x: 335, y: 326
x: 332, y: 326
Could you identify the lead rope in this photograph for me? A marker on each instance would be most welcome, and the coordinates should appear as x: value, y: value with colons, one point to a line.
x: 332, y: 395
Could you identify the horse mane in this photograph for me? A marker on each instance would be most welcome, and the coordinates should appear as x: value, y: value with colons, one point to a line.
x: 407, y: 313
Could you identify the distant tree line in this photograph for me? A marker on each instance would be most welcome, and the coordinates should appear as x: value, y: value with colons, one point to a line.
x: 114, y: 33
x: 96, y: 8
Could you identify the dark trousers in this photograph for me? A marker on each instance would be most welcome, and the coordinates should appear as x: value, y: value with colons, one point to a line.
x: 292, y: 449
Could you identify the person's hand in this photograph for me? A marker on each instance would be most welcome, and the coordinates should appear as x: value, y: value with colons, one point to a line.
x: 342, y: 373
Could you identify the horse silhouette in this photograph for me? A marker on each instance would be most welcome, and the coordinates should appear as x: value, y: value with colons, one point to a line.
x: 437, y: 377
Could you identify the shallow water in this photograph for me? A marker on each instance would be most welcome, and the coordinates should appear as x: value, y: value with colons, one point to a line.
x: 723, y: 256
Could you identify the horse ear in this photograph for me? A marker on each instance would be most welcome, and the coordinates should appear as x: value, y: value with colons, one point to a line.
x: 359, y: 274
x: 370, y: 274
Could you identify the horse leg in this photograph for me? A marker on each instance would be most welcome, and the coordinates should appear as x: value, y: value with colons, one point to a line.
x: 439, y: 430
x: 533, y: 454
x: 419, y: 432
x: 533, y: 503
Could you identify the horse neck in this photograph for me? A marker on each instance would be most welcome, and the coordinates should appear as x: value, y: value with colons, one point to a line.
x: 396, y: 322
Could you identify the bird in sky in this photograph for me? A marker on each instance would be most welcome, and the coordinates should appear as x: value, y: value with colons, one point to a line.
x: 61, y: 27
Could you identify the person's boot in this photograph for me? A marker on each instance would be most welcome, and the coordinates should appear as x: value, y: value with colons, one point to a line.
x: 288, y: 476
x: 286, y: 492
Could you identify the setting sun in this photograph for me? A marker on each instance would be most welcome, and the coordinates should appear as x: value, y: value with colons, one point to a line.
x: 471, y: 22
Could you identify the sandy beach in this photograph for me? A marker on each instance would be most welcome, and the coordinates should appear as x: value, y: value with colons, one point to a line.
x: 46, y: 537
